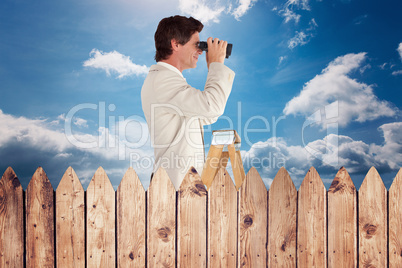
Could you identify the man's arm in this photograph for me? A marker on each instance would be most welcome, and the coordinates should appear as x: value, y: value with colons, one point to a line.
x: 210, y: 103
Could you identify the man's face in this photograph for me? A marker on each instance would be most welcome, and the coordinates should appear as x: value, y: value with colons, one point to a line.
x: 189, y: 52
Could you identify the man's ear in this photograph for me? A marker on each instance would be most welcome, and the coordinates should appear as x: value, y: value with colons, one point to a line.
x: 175, y: 44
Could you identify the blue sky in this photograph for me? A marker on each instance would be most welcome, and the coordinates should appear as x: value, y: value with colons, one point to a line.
x: 318, y: 83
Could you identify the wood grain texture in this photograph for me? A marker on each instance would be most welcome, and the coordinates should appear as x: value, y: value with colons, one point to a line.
x: 40, y: 221
x: 229, y: 229
x: 241, y: 167
x: 192, y: 222
x: 224, y: 159
x: 342, y: 221
x: 395, y: 222
x: 131, y: 215
x: 312, y: 222
x: 252, y: 221
x: 11, y: 220
x: 212, y: 164
x: 237, y: 166
x: 70, y: 221
x: 161, y: 221
x: 222, y: 222
x: 282, y: 221
x: 100, y: 221
x: 372, y: 221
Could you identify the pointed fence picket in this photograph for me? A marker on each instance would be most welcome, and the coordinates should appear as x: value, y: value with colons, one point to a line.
x: 40, y: 221
x: 11, y: 220
x: 373, y: 221
x: 342, y: 221
x: 161, y: 221
x: 253, y: 221
x: 193, y: 227
x: 192, y: 222
x: 130, y: 220
x: 312, y: 222
x: 282, y: 221
x: 100, y: 221
x: 395, y: 222
x: 222, y: 221
x: 70, y: 221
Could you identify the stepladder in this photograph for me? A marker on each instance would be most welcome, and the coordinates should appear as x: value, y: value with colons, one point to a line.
x: 225, y: 145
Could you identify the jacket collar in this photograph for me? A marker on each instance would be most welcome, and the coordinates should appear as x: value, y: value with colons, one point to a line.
x: 170, y: 67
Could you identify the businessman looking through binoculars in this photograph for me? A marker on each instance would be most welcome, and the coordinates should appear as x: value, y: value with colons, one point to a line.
x: 176, y: 112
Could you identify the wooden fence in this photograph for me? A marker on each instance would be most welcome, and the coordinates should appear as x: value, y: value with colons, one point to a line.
x: 131, y: 227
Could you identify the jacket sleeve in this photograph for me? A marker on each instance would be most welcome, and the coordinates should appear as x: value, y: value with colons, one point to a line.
x: 208, y: 104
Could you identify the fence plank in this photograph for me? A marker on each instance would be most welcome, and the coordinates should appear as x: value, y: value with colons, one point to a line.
x: 192, y: 222
x: 11, y: 220
x: 253, y: 221
x: 222, y: 221
x: 231, y: 240
x: 161, y: 217
x: 395, y: 222
x: 39, y: 221
x: 342, y: 221
x: 70, y: 221
x: 312, y: 221
x: 100, y: 221
x: 282, y: 221
x: 372, y: 221
x: 131, y: 217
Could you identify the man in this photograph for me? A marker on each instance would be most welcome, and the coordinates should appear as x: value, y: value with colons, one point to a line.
x: 175, y: 111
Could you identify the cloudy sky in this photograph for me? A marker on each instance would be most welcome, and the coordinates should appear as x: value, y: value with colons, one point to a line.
x: 318, y: 83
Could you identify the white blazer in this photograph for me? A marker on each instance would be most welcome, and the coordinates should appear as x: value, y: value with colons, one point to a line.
x: 176, y: 113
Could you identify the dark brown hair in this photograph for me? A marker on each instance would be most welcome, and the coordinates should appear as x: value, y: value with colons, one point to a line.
x: 176, y: 27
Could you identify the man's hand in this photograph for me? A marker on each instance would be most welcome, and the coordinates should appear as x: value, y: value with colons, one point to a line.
x: 216, y: 51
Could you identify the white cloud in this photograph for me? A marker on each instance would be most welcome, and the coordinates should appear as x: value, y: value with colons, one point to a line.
x: 204, y: 11
x: 391, y: 151
x: 290, y: 11
x: 289, y: 15
x: 244, y: 6
x: 299, y: 39
x: 331, y: 153
x: 61, y: 117
x: 38, y: 141
x: 357, y: 101
x: 303, y: 37
x: 63, y: 155
x: 114, y: 62
x: 399, y: 49
x: 287, y: 10
x: 364, y: 68
x: 34, y: 132
x: 282, y: 59
x: 313, y: 24
x: 210, y: 10
x: 395, y: 73
x: 302, y: 4
x: 80, y: 122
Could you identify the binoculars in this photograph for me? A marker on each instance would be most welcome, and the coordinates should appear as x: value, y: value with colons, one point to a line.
x: 204, y: 47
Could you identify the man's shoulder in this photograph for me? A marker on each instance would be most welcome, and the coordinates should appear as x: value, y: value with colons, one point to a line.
x: 159, y: 73
x: 160, y: 78
x: 158, y: 69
